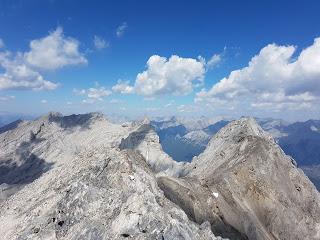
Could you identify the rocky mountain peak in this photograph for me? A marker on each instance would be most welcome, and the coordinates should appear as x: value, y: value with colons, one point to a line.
x: 146, y: 120
x: 246, y: 126
x: 251, y: 174
x: 71, y: 121
x: 145, y: 140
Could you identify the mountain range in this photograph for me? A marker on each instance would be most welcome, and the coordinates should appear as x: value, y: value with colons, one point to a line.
x: 84, y: 177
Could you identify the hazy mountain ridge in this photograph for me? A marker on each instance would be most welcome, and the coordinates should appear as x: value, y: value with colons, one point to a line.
x: 7, y: 118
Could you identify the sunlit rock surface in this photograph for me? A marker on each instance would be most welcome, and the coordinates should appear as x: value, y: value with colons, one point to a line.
x: 66, y: 178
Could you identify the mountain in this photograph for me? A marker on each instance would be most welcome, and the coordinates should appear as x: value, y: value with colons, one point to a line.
x: 65, y: 177
x: 6, y: 117
x: 301, y: 140
x: 183, y: 139
x: 83, y: 177
x: 145, y: 140
x: 247, y: 188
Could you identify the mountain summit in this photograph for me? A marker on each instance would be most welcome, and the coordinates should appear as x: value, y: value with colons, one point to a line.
x: 247, y: 187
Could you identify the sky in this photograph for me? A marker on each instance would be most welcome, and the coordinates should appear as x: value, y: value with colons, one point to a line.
x: 161, y: 58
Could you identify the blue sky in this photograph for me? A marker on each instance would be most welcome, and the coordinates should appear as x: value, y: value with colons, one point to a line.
x: 161, y: 58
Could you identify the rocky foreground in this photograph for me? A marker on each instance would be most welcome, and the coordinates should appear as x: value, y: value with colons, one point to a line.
x: 82, y: 177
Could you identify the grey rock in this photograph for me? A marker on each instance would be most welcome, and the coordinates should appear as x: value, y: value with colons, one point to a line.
x: 83, y: 177
x: 92, y: 189
x: 244, y: 179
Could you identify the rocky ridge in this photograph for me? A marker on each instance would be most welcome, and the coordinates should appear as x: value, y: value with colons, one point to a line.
x: 75, y: 183
x: 83, y: 177
x: 247, y: 188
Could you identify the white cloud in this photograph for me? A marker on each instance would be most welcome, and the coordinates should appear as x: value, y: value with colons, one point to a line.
x: 100, y: 43
x: 54, y: 51
x: 18, y: 75
x: 273, y: 79
x: 176, y: 75
x: 214, y: 60
x: 6, y: 98
x: 121, y: 29
x: 98, y: 93
x: 123, y: 87
x: 44, y: 101
x: 1, y: 43
x: 93, y: 94
x: 22, y: 70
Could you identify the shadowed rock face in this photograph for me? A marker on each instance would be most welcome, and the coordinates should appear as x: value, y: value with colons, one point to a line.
x: 199, y: 204
x: 258, y: 190
x: 145, y: 140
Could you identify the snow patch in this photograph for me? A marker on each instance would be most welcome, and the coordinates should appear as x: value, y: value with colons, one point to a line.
x: 215, y: 194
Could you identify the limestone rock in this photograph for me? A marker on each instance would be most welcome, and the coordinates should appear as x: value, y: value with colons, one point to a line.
x: 69, y: 180
x: 246, y: 187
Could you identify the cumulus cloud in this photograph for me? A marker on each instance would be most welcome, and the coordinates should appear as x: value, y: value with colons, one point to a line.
x: 54, y: 51
x: 123, y: 87
x: 19, y: 75
x: 23, y: 70
x: 100, y: 43
x: 121, y: 29
x: 93, y: 94
x: 44, y: 101
x: 164, y: 76
x: 176, y: 75
x: 272, y: 79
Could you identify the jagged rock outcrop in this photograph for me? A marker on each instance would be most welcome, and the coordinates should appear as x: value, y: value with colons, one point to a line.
x: 145, y: 140
x: 66, y: 178
x: 247, y: 188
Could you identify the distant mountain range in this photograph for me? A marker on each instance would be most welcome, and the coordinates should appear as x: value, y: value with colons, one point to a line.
x: 183, y: 140
x: 6, y: 117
